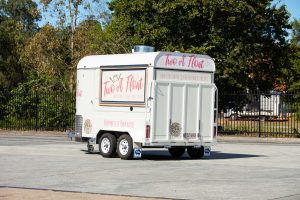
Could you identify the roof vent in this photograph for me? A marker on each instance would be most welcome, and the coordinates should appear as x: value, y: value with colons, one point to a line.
x: 142, y: 48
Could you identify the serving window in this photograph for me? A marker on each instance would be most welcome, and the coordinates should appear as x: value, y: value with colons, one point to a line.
x: 123, y: 86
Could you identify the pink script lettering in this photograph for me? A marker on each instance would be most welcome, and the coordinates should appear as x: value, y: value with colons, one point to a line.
x: 190, y: 62
x: 133, y: 84
x: 111, y: 86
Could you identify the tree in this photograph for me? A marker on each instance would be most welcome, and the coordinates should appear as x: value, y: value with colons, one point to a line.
x: 296, y: 32
x: 67, y: 13
x: 294, y: 72
x: 47, y: 56
x: 17, y: 22
x: 85, y: 39
x: 246, y: 38
x: 23, y: 11
x: 45, y: 60
x: 11, y: 43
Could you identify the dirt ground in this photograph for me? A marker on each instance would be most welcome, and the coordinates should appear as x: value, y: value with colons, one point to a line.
x: 30, y: 194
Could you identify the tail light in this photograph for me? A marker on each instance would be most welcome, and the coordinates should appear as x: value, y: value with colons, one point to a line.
x: 147, y: 131
x: 215, y: 132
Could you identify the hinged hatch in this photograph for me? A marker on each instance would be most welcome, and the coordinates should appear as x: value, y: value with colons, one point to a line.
x: 183, y: 111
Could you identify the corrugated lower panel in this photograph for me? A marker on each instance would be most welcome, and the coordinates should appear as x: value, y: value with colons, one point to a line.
x: 78, y: 124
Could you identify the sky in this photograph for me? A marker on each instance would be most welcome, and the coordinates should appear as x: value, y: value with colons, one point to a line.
x: 53, y: 18
x: 293, y: 6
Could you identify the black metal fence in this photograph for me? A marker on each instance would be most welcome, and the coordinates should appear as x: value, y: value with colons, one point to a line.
x: 37, y: 111
x: 244, y: 114
x: 259, y: 114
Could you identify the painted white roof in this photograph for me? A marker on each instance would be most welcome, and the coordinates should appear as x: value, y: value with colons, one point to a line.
x: 166, y: 60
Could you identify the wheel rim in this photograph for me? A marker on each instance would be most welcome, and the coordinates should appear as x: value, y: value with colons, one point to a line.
x: 123, y: 147
x: 105, y: 145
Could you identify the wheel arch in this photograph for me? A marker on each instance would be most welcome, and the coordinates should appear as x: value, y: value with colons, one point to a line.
x: 117, y: 134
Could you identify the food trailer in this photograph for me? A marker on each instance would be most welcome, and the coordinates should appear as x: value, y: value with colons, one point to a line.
x: 127, y: 102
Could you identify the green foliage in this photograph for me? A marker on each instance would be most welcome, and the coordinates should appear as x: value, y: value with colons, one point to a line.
x: 50, y: 111
x: 56, y: 110
x: 17, y: 22
x: 294, y: 56
x: 45, y: 60
x: 294, y: 72
x: 296, y: 32
x: 246, y: 38
x: 23, y: 11
x: 85, y: 39
x: 67, y: 15
x: 11, y: 43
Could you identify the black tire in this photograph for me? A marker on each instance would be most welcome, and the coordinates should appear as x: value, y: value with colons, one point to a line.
x: 195, y: 153
x: 125, y: 147
x: 176, y: 152
x: 107, y: 145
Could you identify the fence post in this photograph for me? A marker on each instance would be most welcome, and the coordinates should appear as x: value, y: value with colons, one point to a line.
x: 259, y: 115
x: 36, y: 110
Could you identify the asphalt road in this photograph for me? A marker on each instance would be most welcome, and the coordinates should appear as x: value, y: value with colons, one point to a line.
x: 234, y: 170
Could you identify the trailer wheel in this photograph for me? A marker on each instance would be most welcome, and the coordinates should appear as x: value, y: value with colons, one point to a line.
x: 195, y: 153
x: 176, y: 152
x: 125, y: 147
x: 107, y: 145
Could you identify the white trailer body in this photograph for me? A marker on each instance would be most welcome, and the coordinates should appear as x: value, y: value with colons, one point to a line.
x: 158, y: 99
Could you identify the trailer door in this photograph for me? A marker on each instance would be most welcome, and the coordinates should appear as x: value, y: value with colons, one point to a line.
x: 207, y: 112
x: 183, y: 112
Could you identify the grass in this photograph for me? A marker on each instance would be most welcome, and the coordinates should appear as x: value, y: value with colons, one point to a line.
x: 287, y: 128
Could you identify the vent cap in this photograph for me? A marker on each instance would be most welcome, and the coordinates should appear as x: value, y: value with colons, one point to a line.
x: 143, y: 48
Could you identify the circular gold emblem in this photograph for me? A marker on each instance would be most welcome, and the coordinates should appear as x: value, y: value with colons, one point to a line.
x: 175, y: 129
x: 87, y: 126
